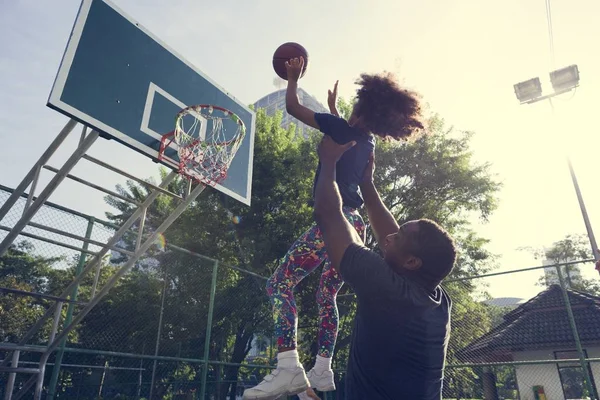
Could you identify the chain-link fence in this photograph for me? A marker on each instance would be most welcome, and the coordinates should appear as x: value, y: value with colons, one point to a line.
x: 511, y: 350
x: 181, y: 325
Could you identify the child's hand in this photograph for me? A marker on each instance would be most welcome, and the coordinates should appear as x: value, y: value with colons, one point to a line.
x: 294, y: 68
x: 332, y: 100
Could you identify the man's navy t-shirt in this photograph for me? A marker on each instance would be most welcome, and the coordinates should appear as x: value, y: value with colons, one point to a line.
x: 351, y: 166
x: 400, y: 334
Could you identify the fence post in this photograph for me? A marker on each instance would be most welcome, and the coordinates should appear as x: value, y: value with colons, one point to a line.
x: 69, y: 316
x: 158, y: 333
x: 582, y: 358
x: 211, y: 307
x: 8, y: 389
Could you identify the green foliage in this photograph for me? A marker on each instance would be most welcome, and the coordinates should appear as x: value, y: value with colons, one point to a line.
x: 282, y: 181
x: 21, y: 263
x: 434, y: 177
x: 344, y: 107
x: 569, y: 249
x: 470, y: 320
x: 21, y: 269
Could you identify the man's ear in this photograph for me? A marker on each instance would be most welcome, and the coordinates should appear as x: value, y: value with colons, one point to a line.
x: 413, y: 263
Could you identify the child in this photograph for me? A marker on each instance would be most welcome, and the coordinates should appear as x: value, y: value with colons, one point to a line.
x: 383, y: 109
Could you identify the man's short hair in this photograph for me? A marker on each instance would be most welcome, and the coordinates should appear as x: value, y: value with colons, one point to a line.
x: 436, y: 249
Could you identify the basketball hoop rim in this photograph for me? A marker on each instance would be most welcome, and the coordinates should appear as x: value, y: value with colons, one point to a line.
x: 204, y: 112
x: 167, y: 138
x: 226, y: 111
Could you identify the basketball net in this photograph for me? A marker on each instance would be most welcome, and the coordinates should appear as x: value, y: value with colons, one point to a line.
x: 204, y: 148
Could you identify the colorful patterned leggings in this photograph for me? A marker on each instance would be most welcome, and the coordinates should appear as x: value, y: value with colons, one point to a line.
x: 305, y: 255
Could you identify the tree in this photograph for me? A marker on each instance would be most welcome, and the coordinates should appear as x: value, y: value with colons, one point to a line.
x: 22, y: 270
x: 260, y: 235
x: 433, y: 177
x: 572, y: 248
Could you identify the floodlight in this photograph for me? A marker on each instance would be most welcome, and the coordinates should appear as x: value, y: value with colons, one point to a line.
x: 528, y: 90
x: 565, y: 78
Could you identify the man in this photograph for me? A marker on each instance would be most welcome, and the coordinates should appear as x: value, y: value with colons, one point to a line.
x: 402, y: 321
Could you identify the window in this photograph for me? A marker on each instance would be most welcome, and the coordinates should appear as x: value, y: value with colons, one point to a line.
x: 571, y: 375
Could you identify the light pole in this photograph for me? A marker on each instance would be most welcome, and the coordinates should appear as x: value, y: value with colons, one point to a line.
x: 563, y: 80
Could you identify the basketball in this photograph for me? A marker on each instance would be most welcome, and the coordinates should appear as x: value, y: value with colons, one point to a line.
x: 284, y: 53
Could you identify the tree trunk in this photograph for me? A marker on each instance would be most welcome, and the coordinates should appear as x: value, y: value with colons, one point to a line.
x: 243, y: 338
x: 218, y: 378
x: 489, y: 385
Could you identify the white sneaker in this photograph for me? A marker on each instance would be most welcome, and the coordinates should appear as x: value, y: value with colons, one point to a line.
x: 323, y: 382
x: 281, y: 382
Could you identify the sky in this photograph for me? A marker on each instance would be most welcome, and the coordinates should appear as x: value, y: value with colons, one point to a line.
x: 462, y: 56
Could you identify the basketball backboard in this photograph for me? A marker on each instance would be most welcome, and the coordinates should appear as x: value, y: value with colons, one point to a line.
x: 119, y: 79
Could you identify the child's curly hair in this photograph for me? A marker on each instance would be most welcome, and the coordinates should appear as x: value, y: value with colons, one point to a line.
x: 386, y: 109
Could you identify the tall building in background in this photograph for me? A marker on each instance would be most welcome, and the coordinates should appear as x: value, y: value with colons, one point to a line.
x: 275, y: 101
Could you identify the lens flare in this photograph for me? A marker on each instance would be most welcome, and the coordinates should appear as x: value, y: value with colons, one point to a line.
x: 161, y: 242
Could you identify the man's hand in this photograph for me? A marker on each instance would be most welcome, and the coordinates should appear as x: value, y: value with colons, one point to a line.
x: 330, y: 152
x: 332, y: 100
x: 368, y: 174
x: 294, y: 68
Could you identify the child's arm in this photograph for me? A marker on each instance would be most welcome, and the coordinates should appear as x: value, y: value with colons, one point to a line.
x: 292, y: 104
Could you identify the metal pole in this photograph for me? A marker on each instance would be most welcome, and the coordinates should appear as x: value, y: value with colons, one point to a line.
x: 584, y: 214
x: 93, y: 186
x: 41, y: 161
x: 69, y: 316
x: 138, y: 241
x: 11, y: 378
x: 48, y: 190
x: 40, y: 379
x: 158, y: 333
x: 149, y: 242
x: 133, y: 178
x: 582, y: 359
x: 76, y: 237
x: 188, y: 189
x: 211, y: 307
x: 139, y: 388
x: 25, y: 387
x: 31, y: 193
x: 83, y: 133
x: 96, y: 277
x: 97, y: 258
x: 102, y: 380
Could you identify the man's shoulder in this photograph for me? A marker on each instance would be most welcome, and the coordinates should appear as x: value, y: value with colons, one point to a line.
x: 360, y: 254
x: 361, y: 265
